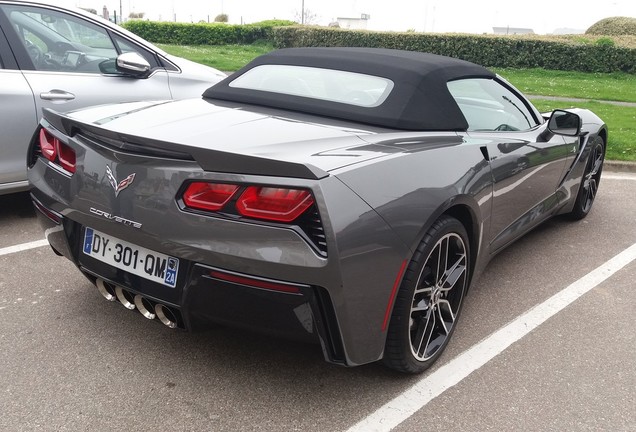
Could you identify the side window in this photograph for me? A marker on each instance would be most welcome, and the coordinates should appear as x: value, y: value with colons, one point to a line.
x: 489, y: 106
x: 61, y: 42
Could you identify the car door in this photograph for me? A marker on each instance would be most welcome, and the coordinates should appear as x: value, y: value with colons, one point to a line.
x: 69, y: 61
x: 527, y: 162
x: 18, y: 120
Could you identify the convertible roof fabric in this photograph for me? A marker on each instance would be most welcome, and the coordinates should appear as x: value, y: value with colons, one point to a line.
x: 420, y: 99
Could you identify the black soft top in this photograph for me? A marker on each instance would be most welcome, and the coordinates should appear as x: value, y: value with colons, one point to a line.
x: 420, y: 99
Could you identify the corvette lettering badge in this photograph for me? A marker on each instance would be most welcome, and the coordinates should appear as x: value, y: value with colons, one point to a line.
x: 118, y: 186
x: 119, y: 219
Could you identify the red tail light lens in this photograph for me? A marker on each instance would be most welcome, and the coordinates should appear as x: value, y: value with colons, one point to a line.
x: 66, y: 156
x: 208, y: 196
x: 56, y: 151
x: 48, y: 145
x: 274, y: 204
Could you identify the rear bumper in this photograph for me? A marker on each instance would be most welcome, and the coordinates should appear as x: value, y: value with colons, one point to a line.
x: 203, y: 295
x: 345, y: 296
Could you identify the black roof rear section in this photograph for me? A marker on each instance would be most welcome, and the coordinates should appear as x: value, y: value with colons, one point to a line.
x: 420, y: 99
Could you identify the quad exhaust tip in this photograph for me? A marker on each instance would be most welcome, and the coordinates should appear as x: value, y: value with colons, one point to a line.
x: 125, y: 298
x: 147, y: 308
x: 165, y: 315
x: 106, y: 290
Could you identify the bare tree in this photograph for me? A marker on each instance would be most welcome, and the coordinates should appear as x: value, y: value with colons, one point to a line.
x: 310, y: 18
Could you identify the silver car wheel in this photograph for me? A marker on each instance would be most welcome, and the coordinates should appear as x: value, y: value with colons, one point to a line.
x: 429, y: 301
x: 438, y: 296
x: 590, y: 180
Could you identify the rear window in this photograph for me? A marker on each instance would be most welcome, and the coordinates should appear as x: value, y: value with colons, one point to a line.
x: 317, y: 83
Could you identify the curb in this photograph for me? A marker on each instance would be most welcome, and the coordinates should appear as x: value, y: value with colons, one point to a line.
x: 619, y: 166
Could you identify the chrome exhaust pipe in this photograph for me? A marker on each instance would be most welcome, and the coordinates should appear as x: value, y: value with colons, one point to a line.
x: 165, y: 315
x: 125, y: 298
x: 145, y: 307
x: 105, y: 289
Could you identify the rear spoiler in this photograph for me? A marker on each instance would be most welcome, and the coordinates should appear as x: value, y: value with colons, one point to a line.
x: 208, y: 160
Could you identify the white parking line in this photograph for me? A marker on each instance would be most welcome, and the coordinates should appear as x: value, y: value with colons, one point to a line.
x: 23, y: 247
x: 428, y: 388
x: 626, y: 176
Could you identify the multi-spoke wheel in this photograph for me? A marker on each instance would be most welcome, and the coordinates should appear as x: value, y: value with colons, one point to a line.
x: 430, y: 299
x: 590, y: 181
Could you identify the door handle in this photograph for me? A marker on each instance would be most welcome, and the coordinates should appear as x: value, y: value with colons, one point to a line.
x: 57, y: 95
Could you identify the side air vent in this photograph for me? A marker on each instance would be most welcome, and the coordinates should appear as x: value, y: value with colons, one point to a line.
x: 311, y: 224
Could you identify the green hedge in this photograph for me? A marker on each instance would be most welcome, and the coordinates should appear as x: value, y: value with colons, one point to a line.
x: 199, y: 34
x: 487, y: 50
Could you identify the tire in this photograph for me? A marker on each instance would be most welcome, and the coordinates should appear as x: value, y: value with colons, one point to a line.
x: 590, y: 180
x: 429, y: 299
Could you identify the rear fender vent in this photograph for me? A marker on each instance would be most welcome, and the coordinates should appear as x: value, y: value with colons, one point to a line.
x: 311, y: 225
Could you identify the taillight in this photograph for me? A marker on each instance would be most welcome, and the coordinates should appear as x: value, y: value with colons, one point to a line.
x: 56, y: 151
x: 48, y: 145
x: 274, y: 204
x: 257, y: 202
x: 208, y: 196
x: 66, y: 155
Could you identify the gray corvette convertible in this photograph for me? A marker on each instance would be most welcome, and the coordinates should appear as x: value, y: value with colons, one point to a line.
x: 345, y: 196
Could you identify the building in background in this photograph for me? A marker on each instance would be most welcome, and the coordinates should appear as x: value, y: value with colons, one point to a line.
x: 511, y: 30
x: 354, y: 23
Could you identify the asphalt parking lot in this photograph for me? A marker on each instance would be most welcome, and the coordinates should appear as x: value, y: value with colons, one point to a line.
x: 70, y: 361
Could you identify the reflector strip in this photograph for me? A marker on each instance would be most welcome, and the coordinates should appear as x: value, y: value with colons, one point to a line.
x: 389, y: 306
x: 53, y: 216
x: 256, y: 283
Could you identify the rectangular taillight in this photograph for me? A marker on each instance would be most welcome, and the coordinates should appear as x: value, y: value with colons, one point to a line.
x: 208, y: 196
x: 276, y: 204
x: 273, y: 203
x: 56, y: 151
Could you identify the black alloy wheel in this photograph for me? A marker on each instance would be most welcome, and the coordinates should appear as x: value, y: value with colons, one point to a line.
x: 430, y: 298
x: 590, y: 181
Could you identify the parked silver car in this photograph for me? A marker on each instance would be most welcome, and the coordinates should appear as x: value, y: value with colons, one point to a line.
x: 64, y: 59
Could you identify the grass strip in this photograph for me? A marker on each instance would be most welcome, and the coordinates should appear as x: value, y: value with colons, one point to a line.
x: 227, y: 58
x: 616, y: 86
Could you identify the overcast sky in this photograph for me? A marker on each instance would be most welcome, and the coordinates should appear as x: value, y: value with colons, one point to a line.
x: 465, y: 16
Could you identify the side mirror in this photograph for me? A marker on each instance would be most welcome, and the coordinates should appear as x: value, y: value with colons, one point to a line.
x: 564, y: 123
x: 132, y: 64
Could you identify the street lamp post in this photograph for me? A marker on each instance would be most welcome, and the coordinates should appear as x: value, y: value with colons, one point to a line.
x: 302, y: 12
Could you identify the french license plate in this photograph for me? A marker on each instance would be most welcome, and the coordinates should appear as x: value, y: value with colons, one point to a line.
x: 134, y: 259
